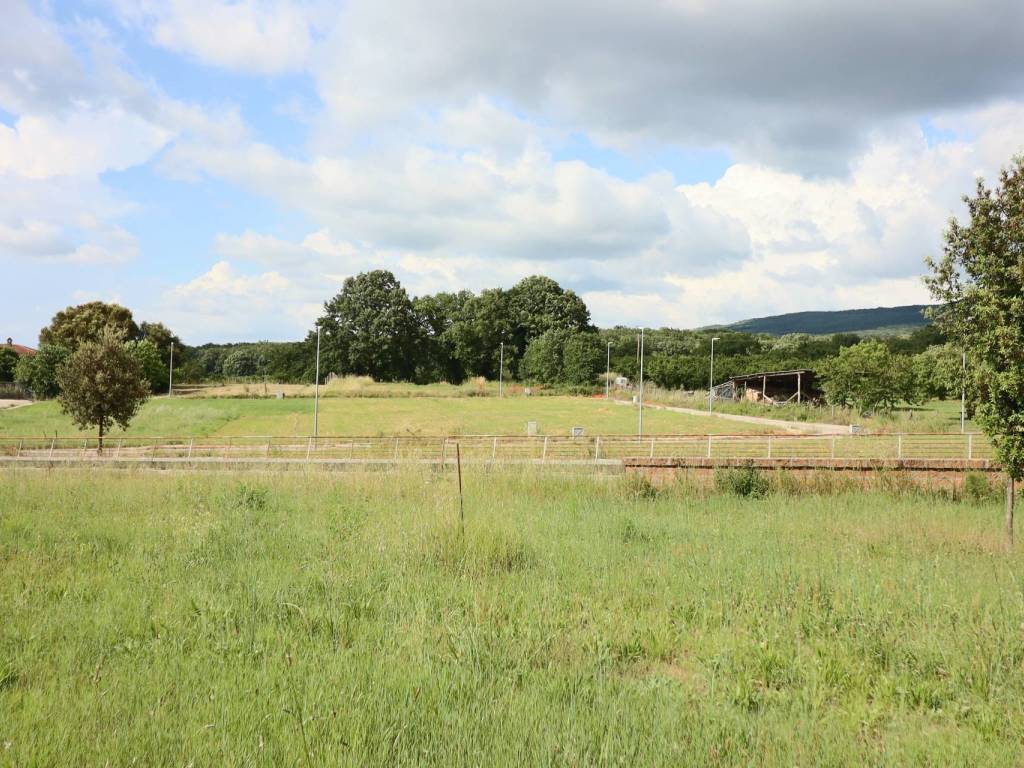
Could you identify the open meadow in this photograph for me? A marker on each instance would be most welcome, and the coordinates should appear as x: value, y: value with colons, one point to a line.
x: 320, y: 619
x: 202, y: 417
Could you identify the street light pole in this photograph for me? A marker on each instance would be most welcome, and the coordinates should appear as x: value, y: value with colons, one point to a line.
x: 640, y: 426
x: 501, y: 370
x: 963, y: 395
x: 170, y: 380
x: 711, y: 379
x: 608, y: 372
x: 316, y: 396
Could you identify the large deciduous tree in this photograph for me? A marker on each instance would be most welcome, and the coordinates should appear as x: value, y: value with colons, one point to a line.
x: 162, y: 338
x: 539, y: 304
x: 370, y: 329
x: 980, y: 282
x: 436, y: 315
x: 38, y: 373
x: 869, y: 376
x: 8, y: 362
x: 484, y: 323
x: 75, y: 326
x: 102, y: 384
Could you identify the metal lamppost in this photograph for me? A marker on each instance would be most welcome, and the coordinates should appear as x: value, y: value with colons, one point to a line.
x: 711, y: 379
x: 501, y: 370
x: 316, y: 395
x: 963, y: 395
x: 608, y: 372
x: 170, y: 380
x: 640, y: 426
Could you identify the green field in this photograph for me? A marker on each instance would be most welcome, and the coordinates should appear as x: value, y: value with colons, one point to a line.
x: 198, y: 619
x: 373, y: 416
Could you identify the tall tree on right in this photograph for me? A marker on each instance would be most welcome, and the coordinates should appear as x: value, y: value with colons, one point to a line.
x: 980, y: 282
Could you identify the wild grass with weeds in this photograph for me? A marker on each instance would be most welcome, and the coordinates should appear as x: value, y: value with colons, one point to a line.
x: 164, y: 619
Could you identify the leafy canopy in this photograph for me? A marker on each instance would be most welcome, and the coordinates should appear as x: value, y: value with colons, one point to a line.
x: 38, y: 372
x: 102, y: 384
x: 75, y: 326
x: 869, y: 376
x: 980, y: 282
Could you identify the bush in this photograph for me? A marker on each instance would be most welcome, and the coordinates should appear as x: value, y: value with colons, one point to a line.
x: 638, y: 486
x: 745, y: 481
x: 978, y: 487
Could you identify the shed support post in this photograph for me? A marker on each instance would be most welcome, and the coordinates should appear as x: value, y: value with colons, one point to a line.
x: 799, y: 387
x: 764, y: 387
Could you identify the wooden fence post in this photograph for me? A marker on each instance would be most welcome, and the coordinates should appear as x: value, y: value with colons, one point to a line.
x: 970, y: 446
x: 709, y: 446
x: 597, y: 448
x: 544, y: 454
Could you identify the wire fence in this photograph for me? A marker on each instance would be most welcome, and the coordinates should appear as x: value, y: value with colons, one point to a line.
x: 500, y: 448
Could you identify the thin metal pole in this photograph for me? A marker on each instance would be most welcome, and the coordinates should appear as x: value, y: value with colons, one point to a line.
x: 963, y: 394
x: 711, y: 378
x: 501, y: 370
x: 608, y: 372
x: 316, y: 395
x: 170, y: 380
x: 640, y: 424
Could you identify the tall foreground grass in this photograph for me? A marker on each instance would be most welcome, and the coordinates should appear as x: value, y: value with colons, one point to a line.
x: 345, y: 619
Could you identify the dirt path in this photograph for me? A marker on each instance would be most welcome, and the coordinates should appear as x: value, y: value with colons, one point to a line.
x: 13, y: 403
x: 797, y: 427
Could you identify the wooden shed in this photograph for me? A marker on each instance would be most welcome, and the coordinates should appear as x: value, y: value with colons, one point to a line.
x: 773, y: 387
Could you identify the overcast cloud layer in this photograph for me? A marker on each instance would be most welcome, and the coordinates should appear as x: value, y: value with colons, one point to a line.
x: 678, y: 162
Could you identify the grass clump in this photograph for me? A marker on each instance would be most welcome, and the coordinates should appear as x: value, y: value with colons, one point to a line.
x: 742, y: 481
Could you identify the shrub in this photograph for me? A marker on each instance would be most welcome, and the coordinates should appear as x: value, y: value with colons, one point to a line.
x: 978, y: 487
x: 638, y: 486
x: 744, y: 481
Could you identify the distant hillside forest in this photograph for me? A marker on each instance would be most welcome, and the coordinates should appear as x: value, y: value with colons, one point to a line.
x: 538, y: 331
x: 879, y: 319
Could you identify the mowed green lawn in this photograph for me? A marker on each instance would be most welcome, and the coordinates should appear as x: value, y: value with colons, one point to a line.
x: 373, y: 416
x: 199, y: 619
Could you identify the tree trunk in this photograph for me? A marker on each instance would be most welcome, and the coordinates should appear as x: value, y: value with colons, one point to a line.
x: 1009, y: 511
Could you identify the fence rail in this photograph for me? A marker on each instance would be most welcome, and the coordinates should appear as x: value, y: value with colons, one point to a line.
x: 499, y: 448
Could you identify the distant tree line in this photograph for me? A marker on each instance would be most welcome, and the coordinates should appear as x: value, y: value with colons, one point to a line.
x: 541, y: 332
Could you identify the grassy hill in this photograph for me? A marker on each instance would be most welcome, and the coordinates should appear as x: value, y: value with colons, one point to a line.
x: 840, y: 321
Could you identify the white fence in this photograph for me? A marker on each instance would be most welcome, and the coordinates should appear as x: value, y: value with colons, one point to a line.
x: 501, y: 448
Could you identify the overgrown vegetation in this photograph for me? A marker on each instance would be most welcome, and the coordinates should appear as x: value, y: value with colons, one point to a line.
x: 343, y: 619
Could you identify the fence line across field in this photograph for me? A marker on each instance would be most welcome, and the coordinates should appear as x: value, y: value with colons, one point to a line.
x: 498, y: 448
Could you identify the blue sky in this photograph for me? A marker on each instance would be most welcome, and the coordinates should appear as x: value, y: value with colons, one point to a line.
x: 223, y: 166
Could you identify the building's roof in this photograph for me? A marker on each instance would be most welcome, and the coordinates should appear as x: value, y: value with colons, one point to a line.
x: 772, y: 374
x: 21, y: 349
